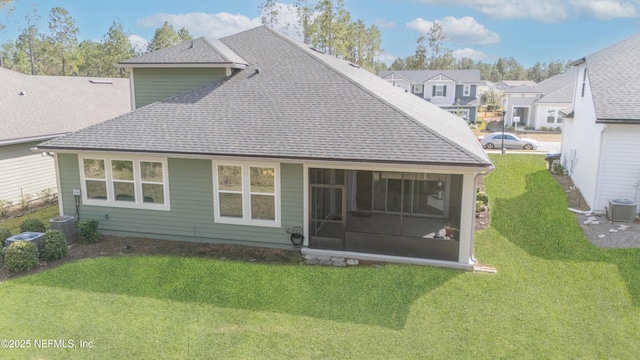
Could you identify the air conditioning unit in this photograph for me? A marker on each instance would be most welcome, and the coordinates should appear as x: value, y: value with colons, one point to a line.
x: 621, y: 210
x: 29, y: 236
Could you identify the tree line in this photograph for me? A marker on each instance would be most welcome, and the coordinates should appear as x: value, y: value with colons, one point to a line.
x: 433, y: 54
x: 57, y: 51
x: 324, y: 24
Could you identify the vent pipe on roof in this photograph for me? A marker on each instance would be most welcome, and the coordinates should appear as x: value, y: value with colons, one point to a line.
x: 22, y: 93
x: 192, y: 46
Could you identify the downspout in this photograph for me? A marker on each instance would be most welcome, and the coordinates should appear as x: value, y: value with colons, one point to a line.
x: 599, y: 172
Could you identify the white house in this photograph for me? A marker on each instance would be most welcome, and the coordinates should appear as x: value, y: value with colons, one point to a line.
x: 601, y: 139
x: 541, y: 105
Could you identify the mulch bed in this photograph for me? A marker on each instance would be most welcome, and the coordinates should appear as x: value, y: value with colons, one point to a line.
x: 123, y: 246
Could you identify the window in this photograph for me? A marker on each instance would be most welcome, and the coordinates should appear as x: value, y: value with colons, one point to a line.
x: 554, y: 116
x: 439, y: 90
x: 409, y: 193
x: 247, y: 194
x: 466, y: 90
x: 417, y: 88
x: 122, y: 182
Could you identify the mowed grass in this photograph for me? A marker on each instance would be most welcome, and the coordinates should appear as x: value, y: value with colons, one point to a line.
x: 554, y: 296
x: 43, y: 215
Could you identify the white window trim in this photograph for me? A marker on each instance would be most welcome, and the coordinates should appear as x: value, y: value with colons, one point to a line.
x: 441, y: 86
x: 137, y: 180
x: 417, y: 88
x: 466, y: 90
x: 246, y: 195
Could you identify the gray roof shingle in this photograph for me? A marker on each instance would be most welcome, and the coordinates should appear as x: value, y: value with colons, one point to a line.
x: 614, y: 74
x: 301, y: 105
x: 199, y: 51
x: 55, y: 105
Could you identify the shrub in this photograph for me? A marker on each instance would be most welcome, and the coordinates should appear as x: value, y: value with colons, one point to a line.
x: 480, y: 207
x: 4, y: 235
x: 34, y: 225
x: 557, y: 169
x: 88, y: 230
x: 482, y: 197
x: 54, y: 245
x: 5, y: 205
x: 21, y: 256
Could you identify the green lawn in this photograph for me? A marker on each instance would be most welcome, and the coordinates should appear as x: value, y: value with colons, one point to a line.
x: 554, y: 297
x: 43, y: 215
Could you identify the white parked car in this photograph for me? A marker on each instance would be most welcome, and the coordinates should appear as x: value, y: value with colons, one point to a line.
x: 494, y: 141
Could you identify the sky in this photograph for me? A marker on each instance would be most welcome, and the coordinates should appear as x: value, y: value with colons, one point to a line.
x: 484, y: 30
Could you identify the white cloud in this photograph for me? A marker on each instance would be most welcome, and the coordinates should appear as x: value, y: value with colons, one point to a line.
x: 474, y: 55
x: 202, y: 24
x: 138, y: 42
x: 604, y: 9
x: 223, y: 24
x: 384, y: 24
x: 385, y: 58
x: 465, y: 30
x: 541, y: 10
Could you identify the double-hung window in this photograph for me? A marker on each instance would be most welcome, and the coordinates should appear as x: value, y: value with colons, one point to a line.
x: 125, y: 182
x: 466, y: 90
x: 247, y: 194
x: 439, y: 90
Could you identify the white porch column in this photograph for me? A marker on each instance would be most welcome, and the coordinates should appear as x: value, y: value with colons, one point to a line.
x: 467, y: 219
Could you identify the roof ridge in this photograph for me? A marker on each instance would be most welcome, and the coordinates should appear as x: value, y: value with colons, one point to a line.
x: 206, y: 40
x: 373, y: 95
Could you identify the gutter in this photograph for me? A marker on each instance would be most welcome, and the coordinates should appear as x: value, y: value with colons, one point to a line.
x: 30, y: 139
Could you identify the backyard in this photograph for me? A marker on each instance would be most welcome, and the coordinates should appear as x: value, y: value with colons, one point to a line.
x: 554, y: 296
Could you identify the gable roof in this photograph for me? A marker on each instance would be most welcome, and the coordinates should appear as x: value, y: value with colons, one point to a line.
x: 202, y: 52
x: 614, y: 76
x: 54, y: 105
x: 523, y: 89
x: 420, y: 76
x: 301, y: 104
x: 514, y: 83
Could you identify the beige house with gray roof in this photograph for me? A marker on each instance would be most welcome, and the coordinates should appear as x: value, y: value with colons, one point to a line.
x: 37, y: 108
x: 601, y: 138
x: 277, y: 145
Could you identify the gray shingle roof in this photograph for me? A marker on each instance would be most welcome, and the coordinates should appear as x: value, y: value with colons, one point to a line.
x: 301, y: 105
x: 614, y: 75
x: 54, y: 105
x: 199, y: 51
x: 420, y: 76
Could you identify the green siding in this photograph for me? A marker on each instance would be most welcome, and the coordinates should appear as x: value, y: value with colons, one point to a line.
x: 191, y: 214
x: 151, y: 84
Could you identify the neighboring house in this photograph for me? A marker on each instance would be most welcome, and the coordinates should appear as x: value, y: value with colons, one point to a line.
x: 505, y: 85
x: 541, y: 105
x: 484, y: 86
x: 37, y: 108
x: 286, y: 141
x: 453, y: 90
x: 601, y: 139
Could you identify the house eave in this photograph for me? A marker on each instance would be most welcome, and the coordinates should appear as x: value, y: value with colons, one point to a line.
x: 182, y: 65
x: 30, y: 139
x: 618, y: 121
x: 304, y: 159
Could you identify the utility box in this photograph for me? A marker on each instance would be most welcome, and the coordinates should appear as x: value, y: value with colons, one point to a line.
x: 621, y: 210
x: 66, y: 225
x: 29, y: 236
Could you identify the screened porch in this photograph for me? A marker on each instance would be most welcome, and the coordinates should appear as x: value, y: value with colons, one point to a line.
x: 381, y: 212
